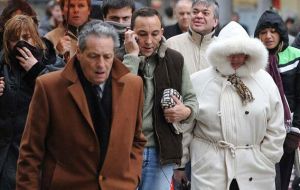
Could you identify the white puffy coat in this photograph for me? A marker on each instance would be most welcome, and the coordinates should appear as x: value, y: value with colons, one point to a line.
x: 232, y: 140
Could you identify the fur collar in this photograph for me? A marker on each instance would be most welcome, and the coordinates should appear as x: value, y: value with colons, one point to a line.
x: 162, y: 48
x: 234, y: 39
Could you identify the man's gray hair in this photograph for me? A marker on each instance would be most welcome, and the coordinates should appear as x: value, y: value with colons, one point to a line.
x: 99, y: 29
x: 209, y: 3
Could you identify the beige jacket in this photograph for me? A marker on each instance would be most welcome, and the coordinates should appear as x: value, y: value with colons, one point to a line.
x: 55, y: 35
x: 192, y: 46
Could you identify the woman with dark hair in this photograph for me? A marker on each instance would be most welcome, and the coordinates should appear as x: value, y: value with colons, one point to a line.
x: 23, y: 58
x: 284, y: 68
x: 15, y: 7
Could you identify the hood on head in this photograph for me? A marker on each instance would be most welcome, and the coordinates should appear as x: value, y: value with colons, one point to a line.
x: 271, y: 19
x: 233, y: 39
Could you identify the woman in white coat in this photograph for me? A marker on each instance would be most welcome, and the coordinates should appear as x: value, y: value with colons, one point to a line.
x: 239, y: 130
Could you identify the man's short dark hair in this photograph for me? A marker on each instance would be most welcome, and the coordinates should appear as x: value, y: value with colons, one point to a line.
x: 116, y: 4
x: 145, y: 12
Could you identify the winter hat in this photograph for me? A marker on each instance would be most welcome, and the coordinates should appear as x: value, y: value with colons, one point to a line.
x: 233, y: 39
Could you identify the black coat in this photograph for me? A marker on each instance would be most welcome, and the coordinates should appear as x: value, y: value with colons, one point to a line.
x: 173, y: 30
x: 14, y: 104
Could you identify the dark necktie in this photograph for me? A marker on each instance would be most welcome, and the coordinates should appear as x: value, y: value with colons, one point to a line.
x: 99, y: 91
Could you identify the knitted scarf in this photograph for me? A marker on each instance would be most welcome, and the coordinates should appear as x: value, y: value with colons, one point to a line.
x: 273, y: 71
x: 241, y: 88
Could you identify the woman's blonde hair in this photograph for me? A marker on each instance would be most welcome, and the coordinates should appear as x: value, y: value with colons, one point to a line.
x: 13, y: 30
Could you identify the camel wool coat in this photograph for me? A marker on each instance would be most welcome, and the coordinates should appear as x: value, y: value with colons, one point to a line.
x: 60, y: 149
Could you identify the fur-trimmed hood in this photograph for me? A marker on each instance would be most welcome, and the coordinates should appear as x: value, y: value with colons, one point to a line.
x: 233, y: 39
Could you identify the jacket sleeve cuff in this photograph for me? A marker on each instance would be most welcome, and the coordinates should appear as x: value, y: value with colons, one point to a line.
x: 190, y: 118
x: 132, y: 62
x: 34, y: 72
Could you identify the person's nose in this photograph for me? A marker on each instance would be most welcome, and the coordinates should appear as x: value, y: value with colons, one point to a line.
x: 148, y: 39
x: 76, y: 9
x: 199, y: 15
x: 100, y: 62
x: 269, y: 35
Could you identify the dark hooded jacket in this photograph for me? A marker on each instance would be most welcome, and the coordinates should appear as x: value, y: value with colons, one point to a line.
x: 288, y: 61
x: 14, y: 104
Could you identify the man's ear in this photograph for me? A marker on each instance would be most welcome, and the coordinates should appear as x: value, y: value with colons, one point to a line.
x: 162, y: 31
x: 216, y: 22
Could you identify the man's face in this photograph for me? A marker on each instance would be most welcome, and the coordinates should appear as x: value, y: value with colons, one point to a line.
x: 122, y: 15
x: 149, y: 32
x: 97, y: 58
x: 183, y: 14
x: 270, y: 37
x: 79, y: 12
x: 203, y: 20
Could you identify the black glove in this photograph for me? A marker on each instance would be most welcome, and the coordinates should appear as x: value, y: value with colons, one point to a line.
x: 291, y: 142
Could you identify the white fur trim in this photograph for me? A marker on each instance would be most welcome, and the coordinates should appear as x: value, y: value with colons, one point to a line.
x: 232, y: 40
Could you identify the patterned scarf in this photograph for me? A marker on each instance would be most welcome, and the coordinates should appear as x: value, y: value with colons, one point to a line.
x: 273, y: 71
x: 241, y: 88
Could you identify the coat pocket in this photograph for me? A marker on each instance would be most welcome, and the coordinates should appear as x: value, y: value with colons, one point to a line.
x: 266, y: 160
x: 200, y: 153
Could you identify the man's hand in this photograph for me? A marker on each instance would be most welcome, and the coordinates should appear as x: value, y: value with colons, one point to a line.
x: 2, y: 85
x: 64, y: 45
x: 177, y: 113
x: 130, y: 43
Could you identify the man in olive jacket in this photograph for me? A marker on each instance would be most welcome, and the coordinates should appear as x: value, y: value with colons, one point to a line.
x: 161, y: 68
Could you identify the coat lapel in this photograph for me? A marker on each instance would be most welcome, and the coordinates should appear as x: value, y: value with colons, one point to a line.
x: 77, y: 92
x: 118, y: 70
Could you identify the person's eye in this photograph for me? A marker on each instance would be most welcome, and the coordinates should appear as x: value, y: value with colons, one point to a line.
x: 206, y: 13
x: 154, y: 34
x: 142, y: 34
x: 126, y: 18
x: 262, y: 32
x: 195, y: 12
x: 108, y: 56
x: 92, y: 56
x: 81, y: 5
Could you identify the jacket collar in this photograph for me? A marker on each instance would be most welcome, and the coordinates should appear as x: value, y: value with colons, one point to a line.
x: 198, y: 38
x: 73, y: 31
x: 162, y: 48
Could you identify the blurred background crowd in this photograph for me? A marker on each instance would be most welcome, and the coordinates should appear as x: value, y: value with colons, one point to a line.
x: 246, y: 12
